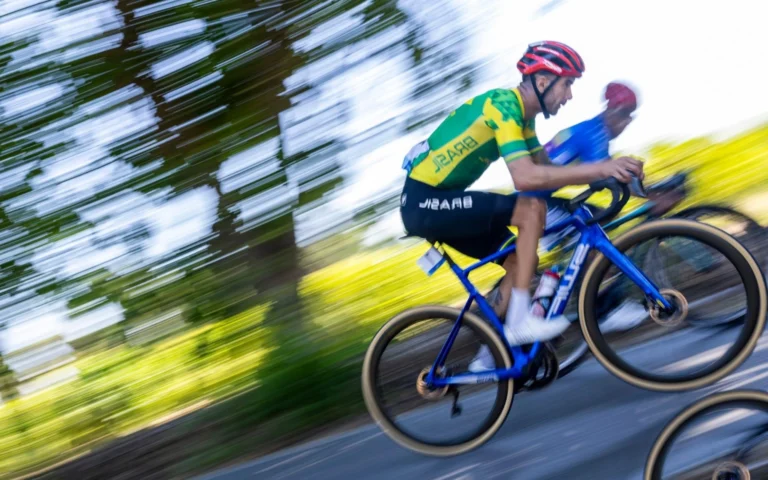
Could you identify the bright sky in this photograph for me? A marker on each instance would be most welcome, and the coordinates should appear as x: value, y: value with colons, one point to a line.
x: 672, y: 56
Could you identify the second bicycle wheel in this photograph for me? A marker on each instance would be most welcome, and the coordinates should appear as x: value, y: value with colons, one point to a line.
x: 715, y: 426
x: 743, y: 271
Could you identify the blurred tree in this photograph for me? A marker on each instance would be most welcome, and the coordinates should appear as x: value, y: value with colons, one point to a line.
x: 222, y: 79
x: 233, y: 112
x: 24, y: 148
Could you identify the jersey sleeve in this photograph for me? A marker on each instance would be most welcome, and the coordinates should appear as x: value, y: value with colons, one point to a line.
x: 503, y: 114
x: 531, y: 139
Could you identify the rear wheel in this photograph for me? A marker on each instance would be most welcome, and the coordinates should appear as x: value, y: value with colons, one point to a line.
x: 392, y: 363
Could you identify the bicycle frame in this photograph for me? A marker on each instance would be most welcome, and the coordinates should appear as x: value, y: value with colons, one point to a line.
x: 590, y: 236
x: 640, y: 211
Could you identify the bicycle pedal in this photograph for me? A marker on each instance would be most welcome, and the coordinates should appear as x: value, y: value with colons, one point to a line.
x: 455, y: 407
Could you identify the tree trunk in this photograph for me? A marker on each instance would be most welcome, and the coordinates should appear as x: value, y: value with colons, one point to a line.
x: 8, y: 382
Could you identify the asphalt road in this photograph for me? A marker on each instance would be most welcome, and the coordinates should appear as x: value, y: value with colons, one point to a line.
x: 588, y: 425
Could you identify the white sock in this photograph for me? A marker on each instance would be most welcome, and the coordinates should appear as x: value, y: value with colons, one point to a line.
x: 519, y: 304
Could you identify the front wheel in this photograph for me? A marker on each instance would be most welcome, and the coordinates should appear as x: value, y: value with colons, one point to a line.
x: 401, y: 364
x: 737, y: 268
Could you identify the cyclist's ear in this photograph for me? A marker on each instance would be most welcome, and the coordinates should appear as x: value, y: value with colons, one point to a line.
x: 544, y: 79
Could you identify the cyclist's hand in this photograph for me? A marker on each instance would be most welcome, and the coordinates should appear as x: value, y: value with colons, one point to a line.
x: 623, y: 168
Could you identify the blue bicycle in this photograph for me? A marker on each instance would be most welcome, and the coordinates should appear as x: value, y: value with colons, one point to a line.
x: 428, y: 361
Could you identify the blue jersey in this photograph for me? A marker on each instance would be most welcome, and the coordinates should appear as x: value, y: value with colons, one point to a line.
x: 585, y: 142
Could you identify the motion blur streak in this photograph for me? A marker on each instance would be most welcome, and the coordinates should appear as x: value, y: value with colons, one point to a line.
x: 198, y: 202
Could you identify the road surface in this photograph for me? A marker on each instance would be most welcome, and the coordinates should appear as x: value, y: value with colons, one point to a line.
x: 588, y: 425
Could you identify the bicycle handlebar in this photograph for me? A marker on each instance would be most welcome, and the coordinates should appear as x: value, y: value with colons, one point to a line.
x: 620, y: 193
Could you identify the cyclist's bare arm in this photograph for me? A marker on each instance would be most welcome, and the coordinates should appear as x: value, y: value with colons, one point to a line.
x: 527, y: 175
x: 521, y: 151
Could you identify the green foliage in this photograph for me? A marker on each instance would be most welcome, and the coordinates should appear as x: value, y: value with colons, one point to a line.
x: 125, y: 387
x: 287, y: 342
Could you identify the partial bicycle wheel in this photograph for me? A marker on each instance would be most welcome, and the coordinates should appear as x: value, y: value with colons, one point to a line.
x: 735, y: 223
x: 423, y: 419
x: 706, y: 440
x: 736, y: 267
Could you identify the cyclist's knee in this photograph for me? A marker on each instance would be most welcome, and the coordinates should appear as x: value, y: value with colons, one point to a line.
x: 510, y: 264
x: 530, y: 214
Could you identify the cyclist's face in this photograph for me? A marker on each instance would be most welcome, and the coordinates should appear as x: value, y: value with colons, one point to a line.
x: 617, y: 120
x: 559, y: 94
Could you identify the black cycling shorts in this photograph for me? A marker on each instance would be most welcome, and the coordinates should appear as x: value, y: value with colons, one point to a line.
x: 474, y: 223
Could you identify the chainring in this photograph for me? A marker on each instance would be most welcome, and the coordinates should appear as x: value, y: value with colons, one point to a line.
x: 543, y: 370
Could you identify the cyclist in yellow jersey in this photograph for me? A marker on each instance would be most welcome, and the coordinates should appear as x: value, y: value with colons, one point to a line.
x: 435, y: 203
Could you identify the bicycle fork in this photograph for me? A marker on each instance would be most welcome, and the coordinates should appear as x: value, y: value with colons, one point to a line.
x: 628, y: 268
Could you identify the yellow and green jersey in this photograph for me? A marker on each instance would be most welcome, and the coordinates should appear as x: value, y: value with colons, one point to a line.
x: 463, y: 146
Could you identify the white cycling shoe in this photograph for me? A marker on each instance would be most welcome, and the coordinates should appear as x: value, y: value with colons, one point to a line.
x: 535, y: 329
x: 482, y: 361
x: 531, y: 329
x: 628, y: 315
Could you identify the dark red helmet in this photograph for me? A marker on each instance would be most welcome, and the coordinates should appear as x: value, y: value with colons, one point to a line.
x: 554, y: 57
x: 619, y: 95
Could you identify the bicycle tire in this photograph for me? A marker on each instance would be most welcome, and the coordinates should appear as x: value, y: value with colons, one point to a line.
x: 580, y: 354
x: 689, y: 212
x: 753, y: 226
x: 376, y: 349
x: 749, y: 270
x: 654, y: 465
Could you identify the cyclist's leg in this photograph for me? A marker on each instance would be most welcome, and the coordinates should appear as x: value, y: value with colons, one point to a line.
x: 521, y: 326
x: 500, y: 300
x: 512, y: 300
x: 528, y: 216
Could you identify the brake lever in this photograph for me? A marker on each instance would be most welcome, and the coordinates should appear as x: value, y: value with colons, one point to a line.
x: 637, y: 188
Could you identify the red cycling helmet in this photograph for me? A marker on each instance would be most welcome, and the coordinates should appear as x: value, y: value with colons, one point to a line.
x: 619, y: 95
x: 554, y: 57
